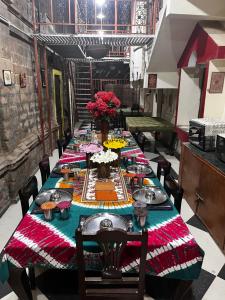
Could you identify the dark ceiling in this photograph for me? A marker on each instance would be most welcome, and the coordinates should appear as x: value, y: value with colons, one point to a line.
x: 111, y: 70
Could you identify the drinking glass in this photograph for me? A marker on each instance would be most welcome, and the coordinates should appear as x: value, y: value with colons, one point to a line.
x: 140, y: 212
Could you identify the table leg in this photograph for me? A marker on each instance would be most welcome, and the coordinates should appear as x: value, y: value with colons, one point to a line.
x: 156, y: 139
x: 182, y: 289
x: 19, y: 282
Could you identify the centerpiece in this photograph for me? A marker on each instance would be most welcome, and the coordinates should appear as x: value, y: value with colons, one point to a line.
x: 102, y: 109
x: 90, y: 149
x: 115, y: 145
x: 103, y: 160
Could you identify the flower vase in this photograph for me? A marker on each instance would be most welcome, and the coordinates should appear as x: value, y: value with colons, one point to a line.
x: 116, y: 163
x: 88, y: 161
x: 103, y: 170
x: 104, y: 130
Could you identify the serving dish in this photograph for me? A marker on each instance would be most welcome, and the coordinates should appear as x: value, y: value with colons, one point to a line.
x: 56, y: 195
x: 73, y: 167
x: 139, y: 169
x: 150, y: 195
x: 103, y: 220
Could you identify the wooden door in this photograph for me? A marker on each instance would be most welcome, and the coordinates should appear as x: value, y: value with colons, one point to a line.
x: 189, y: 176
x: 211, y: 208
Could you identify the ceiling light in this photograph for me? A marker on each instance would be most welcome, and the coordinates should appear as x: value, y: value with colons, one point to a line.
x: 100, y: 16
x: 101, y: 33
x: 100, y: 2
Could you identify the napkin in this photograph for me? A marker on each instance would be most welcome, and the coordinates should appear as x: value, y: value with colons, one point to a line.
x: 106, y: 195
x: 104, y: 186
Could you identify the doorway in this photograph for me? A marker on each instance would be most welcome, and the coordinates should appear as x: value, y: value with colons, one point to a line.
x: 58, y: 99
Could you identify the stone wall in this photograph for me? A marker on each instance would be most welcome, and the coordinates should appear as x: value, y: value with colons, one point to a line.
x: 20, y: 146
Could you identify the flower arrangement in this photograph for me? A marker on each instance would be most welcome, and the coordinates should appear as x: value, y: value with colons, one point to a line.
x: 90, y: 148
x: 105, y: 105
x: 104, y: 157
x: 115, y: 143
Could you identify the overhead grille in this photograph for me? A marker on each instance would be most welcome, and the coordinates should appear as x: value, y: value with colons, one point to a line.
x: 88, y: 60
x: 87, y: 39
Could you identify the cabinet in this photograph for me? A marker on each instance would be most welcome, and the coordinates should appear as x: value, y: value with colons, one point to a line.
x: 204, y: 190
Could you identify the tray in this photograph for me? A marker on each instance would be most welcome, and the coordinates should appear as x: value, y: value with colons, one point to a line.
x: 91, y: 224
x: 150, y: 195
x: 46, y: 196
x: 72, y: 166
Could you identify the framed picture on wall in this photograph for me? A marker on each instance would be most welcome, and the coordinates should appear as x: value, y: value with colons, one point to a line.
x: 23, y: 80
x: 216, y: 83
x: 43, y: 78
x: 152, y: 81
x: 7, y: 78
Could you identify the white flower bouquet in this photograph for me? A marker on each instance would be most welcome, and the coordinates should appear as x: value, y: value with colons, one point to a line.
x: 104, y: 157
x: 103, y: 160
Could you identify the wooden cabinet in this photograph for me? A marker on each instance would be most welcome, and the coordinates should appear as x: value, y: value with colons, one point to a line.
x: 204, y: 190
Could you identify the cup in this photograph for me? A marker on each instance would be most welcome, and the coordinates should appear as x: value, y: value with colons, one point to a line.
x: 64, y: 213
x: 140, y: 212
x: 48, y: 214
x: 64, y: 209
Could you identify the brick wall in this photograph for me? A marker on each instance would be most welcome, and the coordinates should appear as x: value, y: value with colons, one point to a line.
x: 20, y: 147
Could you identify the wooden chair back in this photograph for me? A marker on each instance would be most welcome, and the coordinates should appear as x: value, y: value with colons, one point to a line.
x: 28, y: 190
x: 112, y: 283
x: 67, y: 136
x: 141, y: 139
x: 163, y: 166
x: 173, y: 188
x: 61, y: 145
x: 44, y: 166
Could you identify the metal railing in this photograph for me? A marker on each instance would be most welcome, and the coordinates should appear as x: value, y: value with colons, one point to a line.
x: 86, y: 16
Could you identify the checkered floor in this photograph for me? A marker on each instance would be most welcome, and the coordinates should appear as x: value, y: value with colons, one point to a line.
x: 209, y: 286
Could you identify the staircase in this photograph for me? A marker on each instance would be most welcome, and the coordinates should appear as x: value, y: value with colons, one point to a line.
x: 83, y: 90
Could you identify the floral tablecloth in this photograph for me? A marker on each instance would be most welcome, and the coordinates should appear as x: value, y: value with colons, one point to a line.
x: 172, y: 250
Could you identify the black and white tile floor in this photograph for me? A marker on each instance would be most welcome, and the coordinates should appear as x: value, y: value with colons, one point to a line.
x: 209, y: 286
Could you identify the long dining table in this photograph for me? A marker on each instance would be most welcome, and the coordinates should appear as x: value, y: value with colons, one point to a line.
x: 172, y: 250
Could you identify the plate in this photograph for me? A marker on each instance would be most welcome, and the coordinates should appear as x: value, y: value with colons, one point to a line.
x: 73, y: 167
x: 46, y: 196
x: 150, y: 195
x: 139, y: 169
x: 93, y: 223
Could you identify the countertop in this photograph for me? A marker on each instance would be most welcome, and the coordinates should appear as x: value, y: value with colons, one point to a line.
x: 210, y: 157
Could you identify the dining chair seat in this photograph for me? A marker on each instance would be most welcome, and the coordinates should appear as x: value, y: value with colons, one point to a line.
x: 173, y: 188
x: 44, y: 166
x: 111, y: 283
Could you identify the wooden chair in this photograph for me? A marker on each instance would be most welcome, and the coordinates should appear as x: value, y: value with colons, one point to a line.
x: 135, y: 108
x: 44, y: 166
x: 163, y: 166
x: 61, y: 145
x: 67, y: 136
x: 30, y: 189
x: 173, y: 188
x: 141, y: 139
x: 112, y: 283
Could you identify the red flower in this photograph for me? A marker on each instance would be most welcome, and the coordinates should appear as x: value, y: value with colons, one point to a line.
x: 104, y: 106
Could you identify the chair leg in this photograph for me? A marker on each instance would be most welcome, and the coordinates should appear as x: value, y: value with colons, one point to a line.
x: 19, y: 282
x: 31, y: 275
